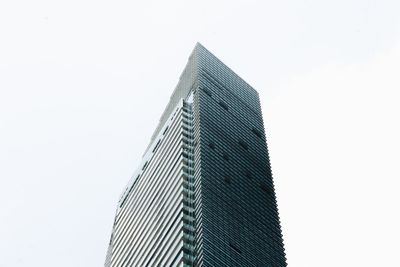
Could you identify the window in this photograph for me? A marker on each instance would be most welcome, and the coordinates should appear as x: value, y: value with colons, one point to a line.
x: 235, y: 248
x: 156, y: 146
x: 144, y: 166
x: 210, y: 78
x: 207, y: 92
x: 211, y: 145
x: 257, y: 132
x: 249, y: 174
x: 243, y: 144
x: 223, y: 105
x: 166, y: 129
x: 225, y: 156
x: 265, y: 188
x: 123, y: 201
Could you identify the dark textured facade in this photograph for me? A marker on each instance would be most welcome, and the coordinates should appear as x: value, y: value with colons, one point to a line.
x: 204, y: 194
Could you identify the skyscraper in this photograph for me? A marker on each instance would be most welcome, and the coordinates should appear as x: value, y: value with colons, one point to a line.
x: 203, y: 195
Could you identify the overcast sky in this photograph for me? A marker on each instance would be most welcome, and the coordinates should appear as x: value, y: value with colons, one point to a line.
x: 83, y: 84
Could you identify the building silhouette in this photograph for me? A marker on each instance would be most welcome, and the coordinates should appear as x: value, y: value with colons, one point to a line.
x: 203, y: 195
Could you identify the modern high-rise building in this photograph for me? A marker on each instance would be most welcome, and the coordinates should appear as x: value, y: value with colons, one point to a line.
x: 203, y: 195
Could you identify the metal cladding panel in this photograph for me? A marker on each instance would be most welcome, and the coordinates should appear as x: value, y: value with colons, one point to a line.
x: 149, y: 225
x: 238, y: 221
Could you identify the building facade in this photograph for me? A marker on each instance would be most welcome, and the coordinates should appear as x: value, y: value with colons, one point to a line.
x: 203, y: 195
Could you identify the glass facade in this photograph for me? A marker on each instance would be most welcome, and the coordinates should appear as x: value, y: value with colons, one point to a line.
x: 204, y: 194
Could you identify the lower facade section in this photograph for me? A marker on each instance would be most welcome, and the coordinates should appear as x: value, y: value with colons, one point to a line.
x: 154, y: 224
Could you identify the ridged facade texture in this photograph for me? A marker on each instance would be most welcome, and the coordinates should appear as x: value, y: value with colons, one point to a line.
x: 204, y: 194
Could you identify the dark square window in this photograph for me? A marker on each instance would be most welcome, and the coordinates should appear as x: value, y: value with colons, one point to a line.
x: 223, y: 105
x: 225, y: 156
x: 235, y: 248
x: 265, y: 188
x: 227, y: 179
x: 249, y: 174
x: 257, y: 132
x: 243, y: 144
x: 205, y: 90
x: 211, y: 145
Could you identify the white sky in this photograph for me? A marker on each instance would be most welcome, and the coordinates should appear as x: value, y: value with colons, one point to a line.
x: 83, y: 84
